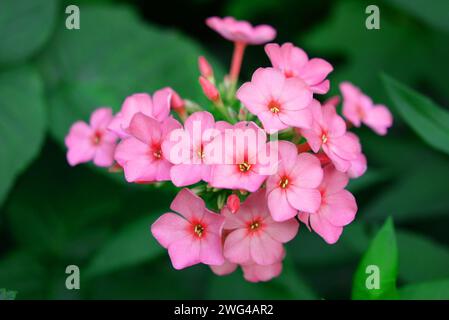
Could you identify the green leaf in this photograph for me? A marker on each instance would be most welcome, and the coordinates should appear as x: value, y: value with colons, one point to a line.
x: 434, y: 13
x: 428, y: 120
x: 24, y: 27
x: 382, y: 257
x: 114, y: 55
x: 134, y: 244
x: 289, y: 285
x: 7, y: 295
x: 22, y: 123
x: 433, y: 290
x: 417, y: 194
x: 421, y: 258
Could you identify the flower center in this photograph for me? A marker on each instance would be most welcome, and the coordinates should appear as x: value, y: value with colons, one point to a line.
x: 96, y: 138
x: 283, y: 183
x: 254, y: 225
x: 324, y: 138
x: 244, y: 167
x: 157, y: 154
x: 274, y: 106
x: 200, y: 153
x: 289, y: 74
x: 199, y: 230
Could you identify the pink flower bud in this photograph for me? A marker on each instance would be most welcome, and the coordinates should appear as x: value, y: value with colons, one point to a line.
x: 233, y: 203
x: 205, y: 68
x: 176, y: 102
x: 209, y: 90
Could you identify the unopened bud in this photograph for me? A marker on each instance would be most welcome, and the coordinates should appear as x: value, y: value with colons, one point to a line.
x: 233, y: 203
x: 209, y: 90
x: 205, y: 68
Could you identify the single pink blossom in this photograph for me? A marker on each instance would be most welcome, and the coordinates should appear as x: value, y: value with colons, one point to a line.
x: 224, y: 269
x: 295, y: 185
x: 294, y: 62
x: 329, y: 133
x: 277, y: 101
x: 192, y: 237
x: 185, y: 149
x: 233, y: 203
x: 240, y: 158
x: 141, y: 154
x: 156, y: 107
x: 359, y: 108
x: 241, y: 31
x: 338, y: 207
x: 86, y: 142
x: 254, y: 236
x: 260, y: 273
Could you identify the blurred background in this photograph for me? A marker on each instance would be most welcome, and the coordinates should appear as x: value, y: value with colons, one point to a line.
x: 52, y: 216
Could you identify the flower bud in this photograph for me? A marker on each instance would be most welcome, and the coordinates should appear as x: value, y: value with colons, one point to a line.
x: 209, y: 90
x: 233, y: 203
x: 205, y: 68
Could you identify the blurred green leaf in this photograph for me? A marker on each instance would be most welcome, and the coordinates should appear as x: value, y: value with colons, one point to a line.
x: 434, y: 13
x: 24, y: 27
x: 22, y: 272
x: 22, y: 123
x: 289, y: 285
x: 114, y: 55
x: 370, y: 178
x: 417, y: 194
x: 433, y: 290
x: 7, y: 295
x: 428, y: 120
x: 132, y: 245
x: 421, y: 258
x: 383, y: 254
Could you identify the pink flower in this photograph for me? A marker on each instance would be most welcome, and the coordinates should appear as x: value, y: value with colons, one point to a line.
x: 294, y: 62
x: 195, y: 236
x: 156, y: 107
x: 240, y: 158
x: 258, y: 273
x: 86, y: 142
x: 185, y: 149
x: 359, y: 108
x: 241, y: 31
x: 338, y: 207
x: 277, y: 101
x: 294, y: 186
x: 329, y: 133
x: 254, y: 236
x: 141, y: 154
x: 359, y: 164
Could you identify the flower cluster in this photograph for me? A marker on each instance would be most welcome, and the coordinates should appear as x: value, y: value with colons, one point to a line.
x: 265, y: 157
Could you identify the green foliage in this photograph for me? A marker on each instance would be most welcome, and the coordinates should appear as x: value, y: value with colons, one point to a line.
x: 383, y: 254
x: 22, y: 123
x: 7, y: 295
x: 432, y: 290
x: 24, y: 28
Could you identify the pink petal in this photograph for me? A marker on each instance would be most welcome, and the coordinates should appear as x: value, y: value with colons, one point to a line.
x: 269, y: 82
x: 79, y: 143
x: 211, y: 250
x: 257, y: 273
x: 334, y: 180
x: 280, y: 208
x: 145, y: 129
x: 379, y: 119
x: 189, y: 205
x: 237, y: 247
x: 185, y: 252
x: 101, y: 118
x: 252, y: 98
x: 321, y: 88
x: 315, y: 71
x: 271, y: 122
x: 325, y: 229
x: 161, y: 103
x: 186, y: 174
x: 282, y: 231
x: 299, y: 118
x: 224, y: 269
x: 104, y: 155
x: 304, y: 199
x: 340, y: 208
x: 265, y: 250
x: 307, y: 172
x: 170, y: 228
x: 296, y: 95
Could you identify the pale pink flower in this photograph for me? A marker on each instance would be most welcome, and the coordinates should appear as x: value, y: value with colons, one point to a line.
x: 185, y: 149
x: 243, y: 160
x: 86, y: 142
x: 359, y: 108
x: 241, y: 31
x: 224, y: 269
x: 329, y: 133
x: 277, y: 101
x: 156, y: 107
x: 254, y: 236
x: 295, y: 185
x: 261, y: 273
x: 338, y: 207
x: 192, y: 237
x: 141, y: 154
x: 294, y: 62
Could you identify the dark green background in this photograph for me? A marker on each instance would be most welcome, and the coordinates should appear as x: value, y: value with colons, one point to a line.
x: 52, y: 216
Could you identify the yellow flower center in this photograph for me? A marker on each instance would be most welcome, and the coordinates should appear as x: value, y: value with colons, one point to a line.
x: 199, y: 229
x: 244, y: 167
x: 284, y: 182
